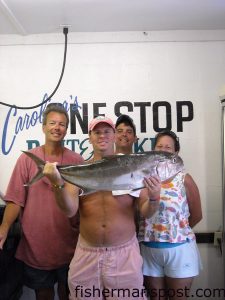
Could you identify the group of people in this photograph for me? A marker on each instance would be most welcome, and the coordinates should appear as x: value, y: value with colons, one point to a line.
x: 119, y: 238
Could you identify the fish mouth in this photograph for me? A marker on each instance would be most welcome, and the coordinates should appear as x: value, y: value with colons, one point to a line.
x: 163, y: 170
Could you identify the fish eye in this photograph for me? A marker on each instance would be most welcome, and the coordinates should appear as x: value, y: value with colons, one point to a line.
x: 174, y: 160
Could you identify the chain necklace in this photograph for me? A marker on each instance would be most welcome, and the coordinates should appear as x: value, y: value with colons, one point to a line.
x: 60, y: 161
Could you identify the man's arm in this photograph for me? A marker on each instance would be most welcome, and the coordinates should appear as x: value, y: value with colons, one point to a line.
x: 11, y: 213
x: 66, y: 194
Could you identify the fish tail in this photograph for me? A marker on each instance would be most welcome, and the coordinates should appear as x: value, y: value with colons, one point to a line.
x: 40, y: 164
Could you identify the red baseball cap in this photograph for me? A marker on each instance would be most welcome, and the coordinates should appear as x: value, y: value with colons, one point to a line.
x: 100, y: 119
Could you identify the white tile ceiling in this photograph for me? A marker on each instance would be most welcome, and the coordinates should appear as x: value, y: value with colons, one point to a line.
x: 27, y: 17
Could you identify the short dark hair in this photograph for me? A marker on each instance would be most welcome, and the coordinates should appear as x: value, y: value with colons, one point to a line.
x: 172, y: 135
x: 127, y: 121
x: 56, y: 107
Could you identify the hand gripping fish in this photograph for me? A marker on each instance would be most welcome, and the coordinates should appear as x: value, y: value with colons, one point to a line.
x: 116, y: 172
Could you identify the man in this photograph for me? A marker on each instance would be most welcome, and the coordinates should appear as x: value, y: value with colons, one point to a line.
x: 125, y: 135
x: 49, y: 237
x: 107, y: 261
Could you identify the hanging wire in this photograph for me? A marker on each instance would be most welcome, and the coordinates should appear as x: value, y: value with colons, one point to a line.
x: 65, y: 31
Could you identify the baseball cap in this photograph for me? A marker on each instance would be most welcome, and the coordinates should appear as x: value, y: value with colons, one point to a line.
x: 100, y: 119
x: 127, y: 121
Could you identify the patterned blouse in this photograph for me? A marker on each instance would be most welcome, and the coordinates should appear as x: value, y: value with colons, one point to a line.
x: 170, y: 222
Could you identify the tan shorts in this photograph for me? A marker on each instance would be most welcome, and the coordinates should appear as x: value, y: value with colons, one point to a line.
x: 106, y: 272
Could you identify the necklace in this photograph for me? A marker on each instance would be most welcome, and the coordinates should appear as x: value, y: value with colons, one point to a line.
x: 51, y: 157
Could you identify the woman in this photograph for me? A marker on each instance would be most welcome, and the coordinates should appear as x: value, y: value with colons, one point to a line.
x: 168, y: 246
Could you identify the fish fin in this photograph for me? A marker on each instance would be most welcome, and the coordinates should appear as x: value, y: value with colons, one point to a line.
x: 40, y: 164
x: 36, y: 177
x: 86, y: 191
x: 121, y: 192
x: 35, y: 158
x: 108, y: 157
x: 170, y: 178
x: 136, y: 189
x: 83, y: 190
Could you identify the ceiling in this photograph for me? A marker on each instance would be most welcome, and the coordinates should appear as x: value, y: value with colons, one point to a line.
x: 25, y: 17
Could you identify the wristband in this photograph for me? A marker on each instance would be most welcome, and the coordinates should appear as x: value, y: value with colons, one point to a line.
x: 59, y: 186
x: 153, y: 200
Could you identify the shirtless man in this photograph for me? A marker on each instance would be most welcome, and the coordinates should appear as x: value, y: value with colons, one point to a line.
x: 107, y: 261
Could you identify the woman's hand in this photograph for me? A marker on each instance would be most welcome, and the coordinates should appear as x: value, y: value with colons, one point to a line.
x: 153, y: 185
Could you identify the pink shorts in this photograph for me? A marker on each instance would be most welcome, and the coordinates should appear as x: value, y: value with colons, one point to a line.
x: 106, y: 272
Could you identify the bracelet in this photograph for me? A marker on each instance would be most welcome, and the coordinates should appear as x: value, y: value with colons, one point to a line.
x: 59, y: 186
x: 153, y: 200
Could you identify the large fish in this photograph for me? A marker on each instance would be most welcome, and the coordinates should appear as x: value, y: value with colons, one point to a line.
x: 116, y: 172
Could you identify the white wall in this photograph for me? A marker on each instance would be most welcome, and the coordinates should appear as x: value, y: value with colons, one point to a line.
x: 130, y: 66
x: 109, y: 68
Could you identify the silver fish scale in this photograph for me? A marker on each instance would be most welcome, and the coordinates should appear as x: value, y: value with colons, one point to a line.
x: 122, y: 171
x: 117, y: 172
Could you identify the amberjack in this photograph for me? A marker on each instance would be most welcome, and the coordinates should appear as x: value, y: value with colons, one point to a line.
x: 116, y: 172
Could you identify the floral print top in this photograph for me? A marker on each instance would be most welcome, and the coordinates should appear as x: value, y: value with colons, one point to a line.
x: 170, y: 222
